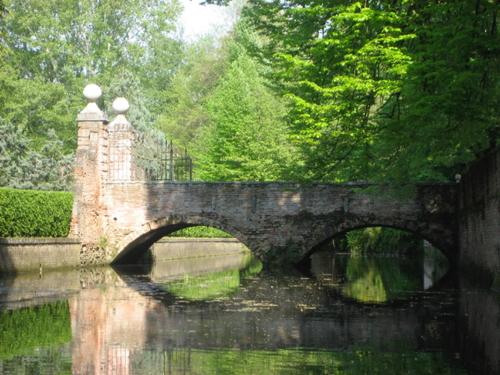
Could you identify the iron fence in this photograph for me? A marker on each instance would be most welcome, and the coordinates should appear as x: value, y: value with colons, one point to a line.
x: 162, y: 161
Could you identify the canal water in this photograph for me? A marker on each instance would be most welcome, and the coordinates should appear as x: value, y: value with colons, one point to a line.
x: 226, y: 315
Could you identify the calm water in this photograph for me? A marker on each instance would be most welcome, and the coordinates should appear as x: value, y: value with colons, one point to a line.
x: 226, y: 315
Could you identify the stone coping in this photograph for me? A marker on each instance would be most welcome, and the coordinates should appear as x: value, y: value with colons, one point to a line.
x: 67, y: 240
x: 37, y: 240
x: 279, y: 183
x: 198, y: 239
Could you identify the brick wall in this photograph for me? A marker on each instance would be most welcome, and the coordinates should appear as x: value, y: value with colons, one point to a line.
x: 479, y: 218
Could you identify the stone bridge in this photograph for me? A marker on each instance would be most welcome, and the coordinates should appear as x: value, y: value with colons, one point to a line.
x: 117, y: 216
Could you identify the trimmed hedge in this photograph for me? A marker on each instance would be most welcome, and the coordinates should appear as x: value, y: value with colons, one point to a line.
x: 33, y: 213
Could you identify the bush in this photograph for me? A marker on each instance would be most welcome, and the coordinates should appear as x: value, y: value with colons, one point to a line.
x: 31, y: 213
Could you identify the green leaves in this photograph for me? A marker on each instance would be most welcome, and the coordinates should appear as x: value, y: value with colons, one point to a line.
x: 51, y: 49
x: 26, y: 330
x: 384, y: 90
x: 23, y: 167
x: 246, y: 138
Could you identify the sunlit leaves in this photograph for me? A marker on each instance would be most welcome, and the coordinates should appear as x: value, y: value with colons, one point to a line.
x: 384, y: 90
x: 245, y: 137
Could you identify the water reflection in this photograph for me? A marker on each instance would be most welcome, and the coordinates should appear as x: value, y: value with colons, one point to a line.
x: 379, y: 279
x: 214, y: 284
x: 241, y: 320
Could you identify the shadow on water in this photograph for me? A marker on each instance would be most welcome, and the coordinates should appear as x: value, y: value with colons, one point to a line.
x: 479, y: 328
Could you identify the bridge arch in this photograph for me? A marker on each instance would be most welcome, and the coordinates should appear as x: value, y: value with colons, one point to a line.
x: 409, y: 227
x: 280, y: 223
x: 133, y: 245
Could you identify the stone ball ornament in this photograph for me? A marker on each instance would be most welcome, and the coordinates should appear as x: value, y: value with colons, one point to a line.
x: 120, y: 106
x: 92, y: 92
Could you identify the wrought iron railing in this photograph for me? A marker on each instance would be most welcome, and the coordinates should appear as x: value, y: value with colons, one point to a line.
x: 159, y: 160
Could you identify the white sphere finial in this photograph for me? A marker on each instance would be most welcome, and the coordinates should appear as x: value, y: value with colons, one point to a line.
x: 120, y: 106
x: 92, y: 92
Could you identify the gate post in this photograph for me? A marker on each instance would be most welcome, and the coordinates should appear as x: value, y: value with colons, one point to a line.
x: 121, y: 138
x: 90, y: 173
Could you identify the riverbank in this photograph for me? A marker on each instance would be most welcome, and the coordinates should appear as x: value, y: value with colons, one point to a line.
x: 38, y: 254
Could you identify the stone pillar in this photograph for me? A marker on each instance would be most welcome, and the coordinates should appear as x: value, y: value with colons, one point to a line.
x: 121, y: 141
x: 91, y: 169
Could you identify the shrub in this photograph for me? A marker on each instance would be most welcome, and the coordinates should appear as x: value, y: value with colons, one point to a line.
x: 31, y: 213
x: 200, y: 232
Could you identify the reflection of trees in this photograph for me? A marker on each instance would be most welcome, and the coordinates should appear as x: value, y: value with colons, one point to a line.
x: 213, y: 285
x: 291, y: 361
x: 381, y: 240
x: 219, y: 284
x: 24, y: 330
x: 32, y: 339
x: 378, y: 280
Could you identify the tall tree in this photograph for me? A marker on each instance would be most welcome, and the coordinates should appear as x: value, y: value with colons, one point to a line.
x: 205, y: 61
x: 245, y: 137
x: 379, y: 88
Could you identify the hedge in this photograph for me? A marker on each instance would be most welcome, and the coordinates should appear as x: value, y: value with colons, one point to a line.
x: 33, y: 213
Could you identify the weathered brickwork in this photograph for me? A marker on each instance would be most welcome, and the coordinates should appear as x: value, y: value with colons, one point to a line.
x: 275, y: 220
x: 90, y: 174
x: 479, y: 217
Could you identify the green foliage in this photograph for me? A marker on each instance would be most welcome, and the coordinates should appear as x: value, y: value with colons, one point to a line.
x: 201, y: 232
x: 245, y: 137
x: 384, y: 90
x: 252, y: 268
x: 51, y: 49
x: 25, y: 213
x: 206, y: 287
x: 28, y: 329
x: 23, y: 167
x: 214, y: 285
x: 381, y: 240
x: 185, y: 114
x: 223, y: 110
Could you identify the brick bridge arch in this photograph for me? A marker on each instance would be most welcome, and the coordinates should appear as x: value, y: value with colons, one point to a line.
x: 116, y: 213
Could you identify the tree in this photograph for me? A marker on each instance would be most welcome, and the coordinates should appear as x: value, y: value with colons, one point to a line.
x: 22, y: 167
x: 204, y: 64
x: 448, y: 111
x: 379, y: 88
x: 53, y: 48
x: 245, y: 137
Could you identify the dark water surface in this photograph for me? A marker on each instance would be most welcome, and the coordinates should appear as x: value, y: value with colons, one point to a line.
x: 224, y: 315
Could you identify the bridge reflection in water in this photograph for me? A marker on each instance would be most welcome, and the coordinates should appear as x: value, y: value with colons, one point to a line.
x: 238, y: 320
